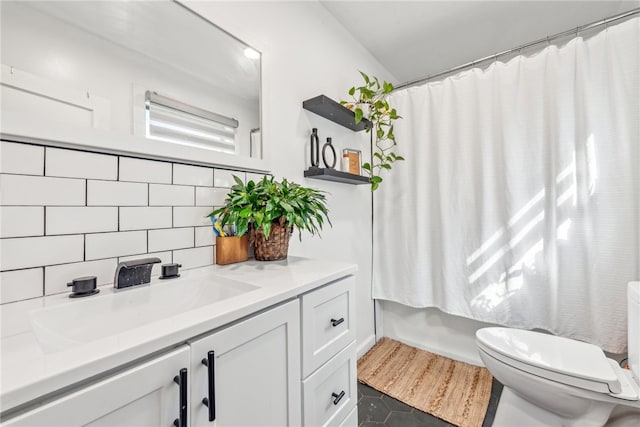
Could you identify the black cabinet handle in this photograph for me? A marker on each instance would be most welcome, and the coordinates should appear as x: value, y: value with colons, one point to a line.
x: 181, y: 380
x: 335, y: 322
x: 337, y: 397
x: 210, y: 401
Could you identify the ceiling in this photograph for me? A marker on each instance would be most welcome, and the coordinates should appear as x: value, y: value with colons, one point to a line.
x: 414, y: 39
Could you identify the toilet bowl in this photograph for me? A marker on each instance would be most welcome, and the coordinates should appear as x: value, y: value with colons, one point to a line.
x: 555, y: 381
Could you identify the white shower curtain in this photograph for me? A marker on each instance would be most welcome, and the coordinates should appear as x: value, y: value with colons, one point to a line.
x: 519, y: 201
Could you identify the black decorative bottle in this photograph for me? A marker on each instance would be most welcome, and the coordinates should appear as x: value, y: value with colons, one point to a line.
x: 315, y: 148
x: 326, y: 146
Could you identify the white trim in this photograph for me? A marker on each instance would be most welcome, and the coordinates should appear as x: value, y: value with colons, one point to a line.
x: 366, y: 345
x: 100, y: 108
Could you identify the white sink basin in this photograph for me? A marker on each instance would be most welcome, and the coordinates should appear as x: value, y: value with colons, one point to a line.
x: 81, y: 321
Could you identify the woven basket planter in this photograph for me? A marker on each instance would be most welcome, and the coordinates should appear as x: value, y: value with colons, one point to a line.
x: 275, y: 247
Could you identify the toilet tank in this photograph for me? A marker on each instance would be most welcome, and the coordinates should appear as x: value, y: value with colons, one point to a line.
x: 633, y: 331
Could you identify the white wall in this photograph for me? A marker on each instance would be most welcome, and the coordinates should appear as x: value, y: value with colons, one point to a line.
x: 305, y: 53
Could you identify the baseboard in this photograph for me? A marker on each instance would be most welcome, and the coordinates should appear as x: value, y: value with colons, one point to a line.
x: 366, y: 345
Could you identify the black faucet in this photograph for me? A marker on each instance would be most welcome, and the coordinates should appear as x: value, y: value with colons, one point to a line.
x: 134, y: 272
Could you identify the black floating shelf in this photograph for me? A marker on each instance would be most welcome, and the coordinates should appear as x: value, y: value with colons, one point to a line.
x: 331, y: 110
x: 327, y: 174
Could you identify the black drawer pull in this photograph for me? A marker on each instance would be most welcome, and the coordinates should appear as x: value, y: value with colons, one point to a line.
x: 181, y: 380
x: 337, y: 397
x: 335, y: 322
x: 210, y: 401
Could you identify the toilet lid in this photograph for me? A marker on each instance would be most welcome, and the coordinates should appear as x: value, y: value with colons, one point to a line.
x: 556, y: 358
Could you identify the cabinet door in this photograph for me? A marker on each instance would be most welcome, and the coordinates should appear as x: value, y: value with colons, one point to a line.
x: 145, y: 395
x: 255, y: 372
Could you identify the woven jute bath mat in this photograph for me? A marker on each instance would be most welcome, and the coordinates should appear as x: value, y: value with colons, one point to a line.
x: 453, y: 391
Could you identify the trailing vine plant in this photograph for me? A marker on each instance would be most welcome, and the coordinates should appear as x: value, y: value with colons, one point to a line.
x: 369, y: 101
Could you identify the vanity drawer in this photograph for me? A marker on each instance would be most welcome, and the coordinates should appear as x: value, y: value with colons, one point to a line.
x: 328, y: 322
x: 352, y: 419
x: 331, y: 392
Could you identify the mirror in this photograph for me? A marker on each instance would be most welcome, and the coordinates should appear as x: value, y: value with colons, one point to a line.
x: 146, y: 69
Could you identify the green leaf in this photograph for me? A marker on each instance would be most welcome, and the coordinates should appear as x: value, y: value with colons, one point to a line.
x: 376, y: 179
x: 365, y: 77
x: 352, y: 91
x: 386, y: 165
x: 358, y: 113
x: 245, y: 212
x: 399, y: 158
x: 374, y: 186
x: 238, y: 181
x: 287, y: 207
x: 266, y: 228
x: 366, y: 166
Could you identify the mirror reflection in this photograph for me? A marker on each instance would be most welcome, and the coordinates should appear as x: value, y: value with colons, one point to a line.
x: 151, y: 69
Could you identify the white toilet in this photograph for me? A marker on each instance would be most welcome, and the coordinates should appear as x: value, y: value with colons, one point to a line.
x: 553, y: 381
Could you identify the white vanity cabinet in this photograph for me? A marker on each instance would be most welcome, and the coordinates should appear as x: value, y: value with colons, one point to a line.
x: 145, y: 395
x: 249, y: 372
x: 329, y: 387
x: 283, y: 356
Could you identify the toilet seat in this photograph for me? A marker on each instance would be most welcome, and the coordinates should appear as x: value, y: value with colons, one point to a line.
x: 559, y: 359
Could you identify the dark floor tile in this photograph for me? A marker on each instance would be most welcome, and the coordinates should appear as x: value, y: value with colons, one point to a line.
x: 403, y: 419
x: 428, y: 420
x: 496, y: 391
x: 368, y: 391
x: 396, y: 405
x: 376, y: 409
x: 372, y: 409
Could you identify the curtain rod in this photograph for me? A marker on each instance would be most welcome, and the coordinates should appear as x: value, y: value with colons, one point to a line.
x: 519, y: 48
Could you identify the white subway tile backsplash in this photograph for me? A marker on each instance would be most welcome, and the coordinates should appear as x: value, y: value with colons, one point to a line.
x: 224, y: 178
x: 206, y: 196
x: 192, y: 175
x: 189, y: 216
x: 21, y: 158
x: 56, y: 277
x: 143, y: 218
x: 205, y: 236
x: 171, y: 195
x: 19, y: 285
x: 140, y: 170
x: 75, y: 220
x: 80, y: 164
x: 22, y: 190
x: 21, y: 221
x: 25, y: 252
x: 170, y: 238
x: 194, y: 257
x: 108, y: 245
x: 110, y: 193
x: 67, y: 213
x: 156, y: 270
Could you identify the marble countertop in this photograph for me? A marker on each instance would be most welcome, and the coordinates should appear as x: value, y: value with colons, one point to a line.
x: 30, y: 370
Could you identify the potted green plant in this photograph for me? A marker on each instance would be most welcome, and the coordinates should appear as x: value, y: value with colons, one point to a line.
x: 369, y: 101
x: 269, y: 210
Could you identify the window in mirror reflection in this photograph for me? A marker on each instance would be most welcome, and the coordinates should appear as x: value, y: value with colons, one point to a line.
x: 174, y: 121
